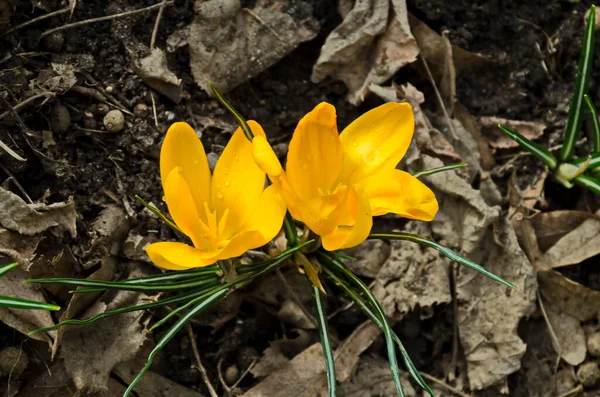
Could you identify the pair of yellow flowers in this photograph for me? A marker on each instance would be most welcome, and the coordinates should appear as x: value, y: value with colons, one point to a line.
x: 333, y: 183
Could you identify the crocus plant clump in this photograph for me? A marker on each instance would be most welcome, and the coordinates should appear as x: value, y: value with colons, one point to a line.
x: 331, y: 188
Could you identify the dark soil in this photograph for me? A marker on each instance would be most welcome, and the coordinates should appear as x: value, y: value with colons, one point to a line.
x: 70, y: 154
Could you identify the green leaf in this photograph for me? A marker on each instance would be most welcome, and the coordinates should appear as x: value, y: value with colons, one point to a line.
x: 333, y: 262
x: 7, y: 268
x: 537, y: 150
x: 289, y: 227
x: 595, y: 124
x: 170, y: 334
x: 18, y: 303
x: 447, y: 252
x: 127, y: 309
x: 239, y: 118
x: 174, y: 275
x: 325, y: 342
x: 588, y: 182
x: 594, y: 161
x: 581, y: 86
x: 366, y: 308
x: 444, y: 168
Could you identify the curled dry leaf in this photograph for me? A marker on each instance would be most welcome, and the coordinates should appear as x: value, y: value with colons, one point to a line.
x: 18, y: 247
x: 291, y: 313
x: 568, y: 296
x: 371, y: 44
x: 569, y: 335
x: 107, y: 231
x: 31, y: 219
x: 489, y: 126
x: 230, y: 44
x: 368, y: 257
x: 413, y: 276
x: 153, y: 70
x: 552, y: 226
x: 276, y: 355
x: 372, y: 378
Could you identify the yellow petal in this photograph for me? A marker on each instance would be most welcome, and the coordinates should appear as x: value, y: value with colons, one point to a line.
x: 377, y: 140
x: 356, y: 227
x: 265, y: 157
x: 178, y: 256
x: 323, y: 213
x: 182, y: 149
x: 237, y: 182
x: 262, y: 226
x: 182, y: 207
x: 315, y: 154
x: 400, y: 193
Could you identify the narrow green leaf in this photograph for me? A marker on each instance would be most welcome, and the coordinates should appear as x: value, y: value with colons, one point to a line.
x: 595, y: 124
x: 127, y: 309
x: 289, y: 227
x: 444, y: 168
x: 176, y: 275
x: 581, y: 86
x: 256, y: 267
x: 170, y: 334
x: 366, y: 308
x: 537, y: 150
x: 387, y: 330
x: 7, y: 268
x: 159, y: 214
x: 18, y: 303
x: 239, y: 118
x: 447, y: 252
x: 98, y: 285
x: 325, y: 342
x: 588, y: 182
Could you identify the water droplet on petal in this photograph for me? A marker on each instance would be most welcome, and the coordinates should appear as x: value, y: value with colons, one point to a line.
x: 196, y: 161
x: 355, y: 144
x: 220, y: 195
x: 237, y: 158
x: 180, y: 169
x: 226, y: 183
x: 304, y: 166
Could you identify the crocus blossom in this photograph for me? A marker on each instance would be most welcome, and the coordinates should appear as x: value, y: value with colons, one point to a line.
x: 335, y: 183
x: 225, y: 214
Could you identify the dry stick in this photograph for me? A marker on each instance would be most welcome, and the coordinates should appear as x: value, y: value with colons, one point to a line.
x: 110, y: 100
x: 444, y: 385
x: 156, y: 23
x: 203, y: 372
x: 573, y: 392
x: 104, y: 18
x: 555, y: 341
x: 34, y: 20
x: 17, y: 184
x: 26, y: 102
x: 455, y: 330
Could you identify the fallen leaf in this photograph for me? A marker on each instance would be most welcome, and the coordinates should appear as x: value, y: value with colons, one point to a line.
x: 31, y: 219
x: 18, y: 247
x: 568, y: 296
x: 154, y: 71
x: 24, y: 321
x: 60, y: 78
x: 489, y: 313
x: 107, y: 232
x: 579, y: 244
x: 278, y: 353
x: 489, y: 126
x: 569, y: 334
x: 230, y: 44
x: 368, y: 257
x: 370, y: 45
x: 151, y: 384
x: 347, y: 356
x: 486, y: 157
x: 373, y: 378
x: 413, y: 276
x: 291, y: 313
x: 552, y: 226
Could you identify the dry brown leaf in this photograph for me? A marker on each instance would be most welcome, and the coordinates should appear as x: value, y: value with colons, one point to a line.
x: 151, y: 384
x: 568, y: 296
x: 489, y: 127
x: 489, y: 312
x: 413, y: 276
x: 581, y: 243
x: 552, y: 226
x: 276, y: 355
x: 486, y: 157
x: 24, y: 321
x: 369, y: 257
x: 370, y: 45
x: 372, y: 378
x: 291, y: 313
x: 569, y: 334
x: 107, y: 232
x: 31, y: 219
x: 18, y: 247
x: 348, y: 354
x: 230, y: 44
x: 153, y: 70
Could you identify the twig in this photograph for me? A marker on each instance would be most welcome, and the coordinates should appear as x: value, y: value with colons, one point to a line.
x: 246, y: 372
x: 157, y: 23
x: 455, y: 330
x: 34, y: 20
x: 105, y: 18
x: 154, y: 109
x: 12, y: 178
x: 573, y: 392
x: 13, y: 368
x: 444, y: 385
x: 26, y: 102
x: 111, y: 99
x: 553, y: 336
x: 201, y: 368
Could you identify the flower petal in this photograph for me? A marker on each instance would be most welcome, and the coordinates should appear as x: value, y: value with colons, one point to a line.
x: 262, y: 226
x: 238, y: 182
x: 377, y: 140
x: 177, y: 256
x: 315, y: 154
x: 356, y: 227
x: 182, y: 207
x: 322, y: 214
x: 183, y: 149
x: 400, y: 193
x: 265, y: 157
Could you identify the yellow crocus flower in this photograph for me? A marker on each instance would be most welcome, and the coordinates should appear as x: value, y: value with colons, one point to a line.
x: 225, y: 214
x: 335, y: 183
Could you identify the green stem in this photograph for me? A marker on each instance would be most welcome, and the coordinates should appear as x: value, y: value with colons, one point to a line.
x: 537, y: 150
x: 325, y: 341
x: 595, y: 124
x: 444, y: 168
x: 239, y: 118
x: 289, y: 227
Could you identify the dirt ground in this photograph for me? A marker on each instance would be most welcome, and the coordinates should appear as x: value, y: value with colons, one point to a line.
x: 472, y: 337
